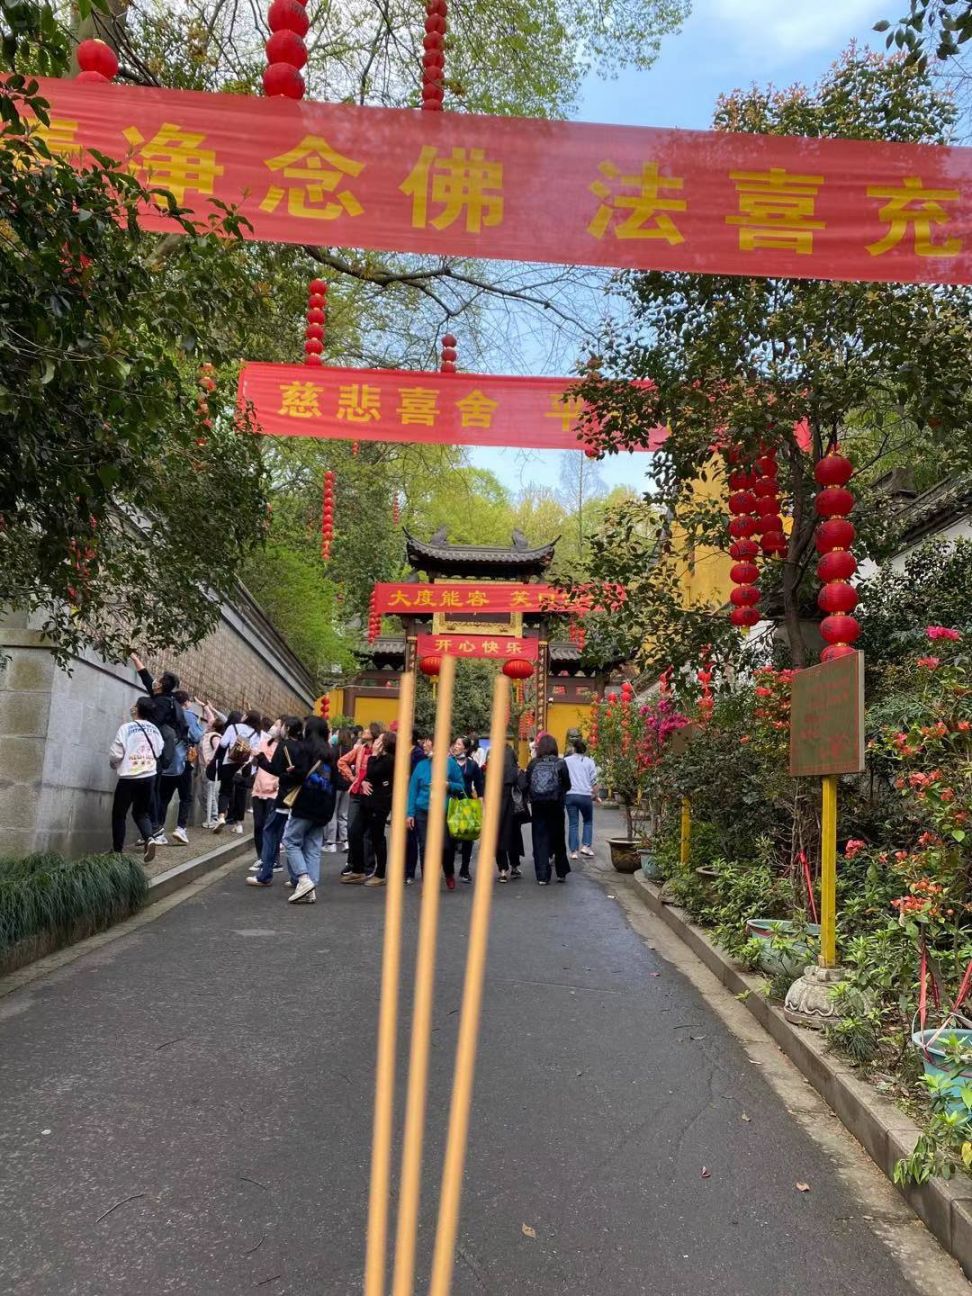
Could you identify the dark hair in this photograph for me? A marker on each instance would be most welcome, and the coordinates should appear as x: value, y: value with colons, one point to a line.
x: 266, y: 723
x: 416, y: 736
x: 181, y: 696
x: 376, y: 728
x: 580, y: 746
x: 234, y: 717
x: 218, y: 726
x: 316, y: 734
x: 469, y: 744
x: 144, y: 708
x: 547, y: 746
x: 389, y: 744
x: 293, y: 726
x: 254, y: 719
x: 168, y: 682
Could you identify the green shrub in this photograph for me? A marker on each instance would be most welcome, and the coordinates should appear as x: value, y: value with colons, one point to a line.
x: 44, y: 894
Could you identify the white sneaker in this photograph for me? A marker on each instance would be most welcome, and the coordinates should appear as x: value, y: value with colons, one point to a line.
x: 278, y: 868
x: 255, y: 868
x: 149, y: 854
x: 330, y: 850
x: 586, y: 850
x: 160, y: 839
x: 182, y: 836
x: 574, y: 855
x: 220, y: 824
x: 238, y: 829
x: 303, y: 887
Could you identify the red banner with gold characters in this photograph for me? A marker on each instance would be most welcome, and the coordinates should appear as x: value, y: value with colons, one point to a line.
x: 494, y: 647
x: 456, y: 184
x: 405, y: 405
x: 478, y: 597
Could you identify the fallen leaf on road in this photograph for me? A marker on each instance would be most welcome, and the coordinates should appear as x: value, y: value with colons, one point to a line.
x: 654, y: 974
x: 802, y: 1187
x: 745, y: 1117
x: 706, y: 1173
x: 528, y: 1231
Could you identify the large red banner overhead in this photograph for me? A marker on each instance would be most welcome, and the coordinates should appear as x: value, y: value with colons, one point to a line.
x: 491, y: 647
x: 405, y: 405
x: 477, y: 597
x: 462, y: 185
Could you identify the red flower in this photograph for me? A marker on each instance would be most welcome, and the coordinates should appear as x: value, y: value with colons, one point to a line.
x: 941, y: 632
x: 854, y: 847
x: 930, y: 663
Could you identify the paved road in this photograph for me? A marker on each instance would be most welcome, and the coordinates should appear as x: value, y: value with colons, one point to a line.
x: 215, y: 1067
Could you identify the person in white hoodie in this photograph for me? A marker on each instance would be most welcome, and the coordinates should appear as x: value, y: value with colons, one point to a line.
x: 134, y: 755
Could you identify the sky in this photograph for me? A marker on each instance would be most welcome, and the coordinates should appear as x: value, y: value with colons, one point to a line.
x: 724, y: 45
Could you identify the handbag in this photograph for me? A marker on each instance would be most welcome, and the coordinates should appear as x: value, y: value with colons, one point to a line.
x: 290, y: 797
x: 464, y: 818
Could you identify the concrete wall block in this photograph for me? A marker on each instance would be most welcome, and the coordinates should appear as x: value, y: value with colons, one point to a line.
x: 28, y: 669
x: 21, y: 760
x: 16, y: 842
x: 24, y: 715
x: 18, y: 806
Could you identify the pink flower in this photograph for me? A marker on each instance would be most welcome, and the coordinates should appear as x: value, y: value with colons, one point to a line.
x: 854, y: 847
x: 941, y: 632
x: 930, y: 663
x: 763, y: 692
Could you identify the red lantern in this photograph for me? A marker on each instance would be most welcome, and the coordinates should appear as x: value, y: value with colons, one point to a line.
x: 833, y: 651
x: 834, y: 501
x: 283, y: 80
x: 742, y: 502
x: 447, y: 366
x: 775, y: 542
x: 315, y: 315
x: 840, y: 629
x: 767, y: 464
x: 315, y: 331
x: 766, y: 486
x: 95, y: 56
x: 288, y: 15
x: 313, y: 346
x: 767, y: 505
x: 837, y: 596
x: 742, y: 550
x: 91, y: 78
x: 313, y: 360
x: 744, y: 616
x: 837, y: 565
x: 741, y: 527
x: 738, y: 481
x: 833, y: 470
x: 317, y: 288
x: 518, y: 668
x: 744, y: 573
x: 449, y: 353
x: 431, y: 665
x: 286, y: 47
x: 744, y: 596
x: 836, y: 533
x: 316, y: 301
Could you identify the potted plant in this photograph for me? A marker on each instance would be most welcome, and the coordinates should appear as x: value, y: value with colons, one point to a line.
x: 626, y: 742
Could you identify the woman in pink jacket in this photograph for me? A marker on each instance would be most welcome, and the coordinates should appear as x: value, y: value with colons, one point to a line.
x: 264, y: 793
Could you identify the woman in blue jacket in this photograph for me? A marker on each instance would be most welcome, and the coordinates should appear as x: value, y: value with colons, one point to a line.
x: 419, y: 789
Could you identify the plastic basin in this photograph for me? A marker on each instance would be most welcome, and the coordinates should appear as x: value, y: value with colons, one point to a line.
x: 931, y: 1045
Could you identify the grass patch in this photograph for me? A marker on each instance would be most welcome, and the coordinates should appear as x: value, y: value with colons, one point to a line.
x: 45, y: 897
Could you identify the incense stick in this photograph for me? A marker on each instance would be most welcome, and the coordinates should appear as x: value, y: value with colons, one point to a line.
x: 377, y: 1243
x: 472, y: 998
x: 411, y: 1173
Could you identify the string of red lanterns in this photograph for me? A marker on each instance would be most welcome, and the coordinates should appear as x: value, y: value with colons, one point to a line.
x: 98, y: 62
x: 744, y: 524
x: 447, y: 364
x: 433, y: 57
x: 286, y: 51
x: 316, y: 321
x: 327, y: 516
x: 207, y: 385
x: 706, y: 700
x: 396, y: 509
x: 834, y: 536
x: 374, y: 618
x: 766, y: 488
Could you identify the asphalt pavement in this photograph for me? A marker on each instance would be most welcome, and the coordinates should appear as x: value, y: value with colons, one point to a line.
x: 188, y: 1109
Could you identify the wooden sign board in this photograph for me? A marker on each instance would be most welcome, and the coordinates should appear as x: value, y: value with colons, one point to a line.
x: 827, y: 718
x: 681, y: 738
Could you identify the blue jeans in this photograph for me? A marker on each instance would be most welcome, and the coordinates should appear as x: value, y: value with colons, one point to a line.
x: 577, y: 804
x: 273, y: 831
x: 302, y: 842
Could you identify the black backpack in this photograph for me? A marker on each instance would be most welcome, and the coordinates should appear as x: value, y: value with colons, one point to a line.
x: 545, y: 779
x: 171, y: 723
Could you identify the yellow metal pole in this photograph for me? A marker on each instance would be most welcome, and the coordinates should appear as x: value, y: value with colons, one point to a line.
x: 828, y: 873
x: 685, y: 840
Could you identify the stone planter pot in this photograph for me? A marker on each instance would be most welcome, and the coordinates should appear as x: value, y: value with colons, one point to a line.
x: 625, y: 855
x: 775, y: 962
x: 649, y: 865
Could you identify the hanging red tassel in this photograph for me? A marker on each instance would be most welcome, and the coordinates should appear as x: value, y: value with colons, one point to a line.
x: 837, y: 564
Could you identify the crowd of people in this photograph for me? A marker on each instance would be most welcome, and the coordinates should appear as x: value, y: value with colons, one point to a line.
x: 313, y: 792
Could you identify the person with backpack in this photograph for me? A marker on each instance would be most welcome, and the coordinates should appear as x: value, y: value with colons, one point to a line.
x: 210, y: 758
x: 280, y: 765
x: 419, y: 798
x: 168, y: 718
x: 311, y: 800
x: 238, y: 745
x: 178, y: 777
x: 134, y: 755
x: 547, y: 783
x: 265, y: 788
x: 475, y: 781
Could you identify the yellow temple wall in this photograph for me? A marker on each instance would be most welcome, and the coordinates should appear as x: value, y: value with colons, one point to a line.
x: 562, y: 716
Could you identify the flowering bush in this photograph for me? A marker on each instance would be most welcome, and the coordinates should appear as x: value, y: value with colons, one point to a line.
x: 627, y: 742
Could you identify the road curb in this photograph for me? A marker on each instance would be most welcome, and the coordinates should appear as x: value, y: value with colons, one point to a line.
x: 884, y: 1131
x: 192, y: 870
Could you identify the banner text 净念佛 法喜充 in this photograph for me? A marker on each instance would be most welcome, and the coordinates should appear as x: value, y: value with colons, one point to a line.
x: 530, y: 190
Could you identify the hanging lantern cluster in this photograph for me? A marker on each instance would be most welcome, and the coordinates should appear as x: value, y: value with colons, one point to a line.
x: 98, y: 62
x: 286, y: 51
x: 433, y: 58
x: 744, y: 526
x: 834, y: 537
x: 526, y: 720
x: 316, y: 320
x: 374, y: 618
x: 449, y: 354
x: 766, y: 489
x: 396, y: 509
x: 207, y: 385
x: 327, y: 516
x: 577, y: 634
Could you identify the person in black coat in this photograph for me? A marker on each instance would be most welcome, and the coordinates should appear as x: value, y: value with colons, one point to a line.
x: 548, y: 782
x: 513, y: 814
x: 309, y: 767
x: 376, y: 802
